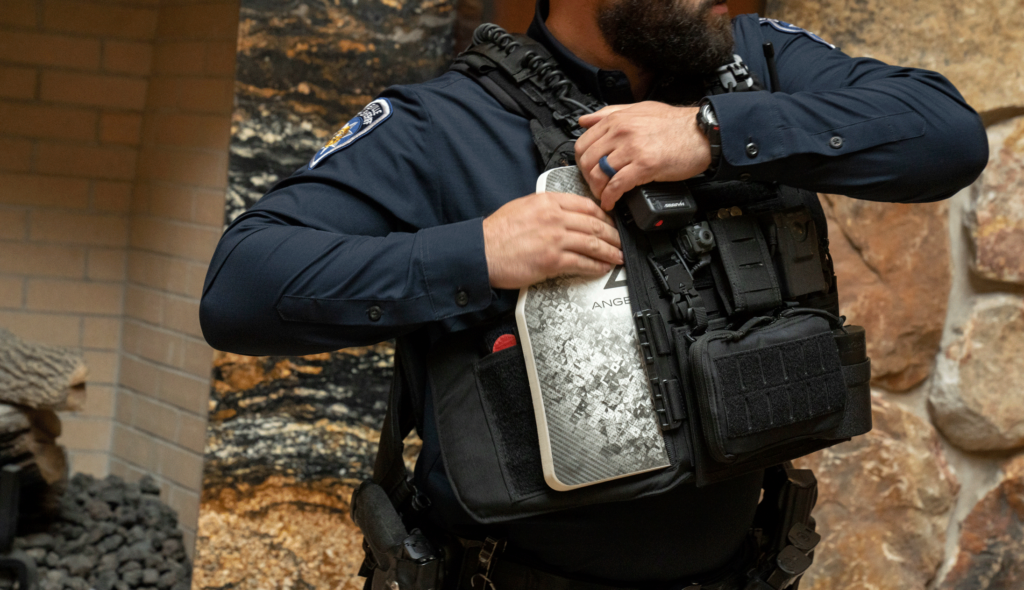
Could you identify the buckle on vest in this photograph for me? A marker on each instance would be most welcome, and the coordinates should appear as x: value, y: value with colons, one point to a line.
x: 485, y: 562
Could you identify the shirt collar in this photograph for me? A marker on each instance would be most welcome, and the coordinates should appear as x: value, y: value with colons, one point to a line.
x: 609, y: 86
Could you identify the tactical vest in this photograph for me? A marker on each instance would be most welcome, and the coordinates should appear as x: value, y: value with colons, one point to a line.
x: 736, y: 311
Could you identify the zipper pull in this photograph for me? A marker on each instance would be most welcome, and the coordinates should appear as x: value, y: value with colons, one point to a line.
x: 750, y: 325
x: 836, y: 322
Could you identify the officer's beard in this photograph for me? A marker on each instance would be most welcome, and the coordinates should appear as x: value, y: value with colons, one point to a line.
x: 668, y: 36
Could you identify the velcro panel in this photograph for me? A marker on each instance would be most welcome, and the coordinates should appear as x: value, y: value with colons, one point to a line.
x: 505, y: 393
x: 781, y: 384
x: 858, y: 373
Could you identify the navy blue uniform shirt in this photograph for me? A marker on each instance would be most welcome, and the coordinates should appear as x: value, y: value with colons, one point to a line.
x: 383, y: 239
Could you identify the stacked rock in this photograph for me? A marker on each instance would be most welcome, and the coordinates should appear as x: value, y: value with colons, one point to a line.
x: 110, y: 535
x: 36, y: 382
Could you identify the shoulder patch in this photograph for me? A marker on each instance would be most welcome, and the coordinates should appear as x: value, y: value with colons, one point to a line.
x: 371, y: 116
x: 793, y: 30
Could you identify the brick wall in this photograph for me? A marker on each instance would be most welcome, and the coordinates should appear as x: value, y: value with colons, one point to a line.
x: 114, y: 127
x: 73, y: 81
x: 177, y: 215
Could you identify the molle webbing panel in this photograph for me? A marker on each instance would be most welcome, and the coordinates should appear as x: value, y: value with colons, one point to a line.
x: 753, y: 284
x: 780, y: 385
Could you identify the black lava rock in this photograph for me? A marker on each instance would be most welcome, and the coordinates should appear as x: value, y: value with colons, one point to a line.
x: 105, y: 580
x: 79, y: 565
x: 135, y: 552
x: 110, y: 535
x: 98, y: 509
x: 132, y: 578
x: 150, y: 576
x: 38, y: 554
x: 113, y: 496
x: 41, y: 540
x: 147, y: 485
x: 126, y: 516
x: 110, y: 543
x: 167, y: 580
x: 101, y: 530
x: 107, y: 563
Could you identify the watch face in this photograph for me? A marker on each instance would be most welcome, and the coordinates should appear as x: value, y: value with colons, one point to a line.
x: 707, y: 115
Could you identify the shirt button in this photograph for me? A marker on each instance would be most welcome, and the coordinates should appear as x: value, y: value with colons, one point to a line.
x: 609, y: 82
x: 462, y: 299
x: 752, y: 150
x: 374, y: 312
x: 836, y: 142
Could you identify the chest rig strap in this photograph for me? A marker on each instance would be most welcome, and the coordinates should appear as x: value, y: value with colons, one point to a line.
x: 523, y: 76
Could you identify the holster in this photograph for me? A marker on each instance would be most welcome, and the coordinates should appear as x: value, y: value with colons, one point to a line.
x: 395, y: 557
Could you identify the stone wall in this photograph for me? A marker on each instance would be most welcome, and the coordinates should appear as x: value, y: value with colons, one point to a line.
x: 289, y: 438
x: 931, y: 498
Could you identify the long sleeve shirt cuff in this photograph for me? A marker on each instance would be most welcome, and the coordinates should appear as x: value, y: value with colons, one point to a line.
x: 455, y: 268
x: 782, y: 127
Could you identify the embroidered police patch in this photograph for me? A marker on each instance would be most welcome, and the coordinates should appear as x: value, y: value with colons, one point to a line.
x: 372, y: 115
x: 793, y: 30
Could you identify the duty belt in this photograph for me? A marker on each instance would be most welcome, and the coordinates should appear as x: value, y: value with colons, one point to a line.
x: 779, y: 549
x: 504, y: 573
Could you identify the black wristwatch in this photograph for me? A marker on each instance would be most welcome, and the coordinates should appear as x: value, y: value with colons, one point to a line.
x: 708, y: 123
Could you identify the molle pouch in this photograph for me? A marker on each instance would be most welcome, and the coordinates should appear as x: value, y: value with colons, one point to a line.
x: 775, y: 389
x: 489, y: 439
x: 744, y: 266
x: 797, y: 253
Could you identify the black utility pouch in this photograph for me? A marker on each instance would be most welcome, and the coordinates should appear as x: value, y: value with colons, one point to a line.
x: 774, y: 390
x: 487, y: 432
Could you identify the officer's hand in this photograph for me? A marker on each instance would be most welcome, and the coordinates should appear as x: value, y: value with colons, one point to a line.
x: 644, y: 142
x: 545, y: 235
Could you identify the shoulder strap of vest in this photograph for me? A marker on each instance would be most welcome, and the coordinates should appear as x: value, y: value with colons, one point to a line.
x: 523, y: 77
x: 389, y: 471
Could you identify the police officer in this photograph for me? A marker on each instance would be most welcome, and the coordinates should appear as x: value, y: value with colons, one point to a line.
x: 412, y: 223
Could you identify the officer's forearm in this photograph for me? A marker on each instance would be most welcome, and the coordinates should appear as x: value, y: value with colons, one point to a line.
x: 904, y: 139
x: 284, y: 289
